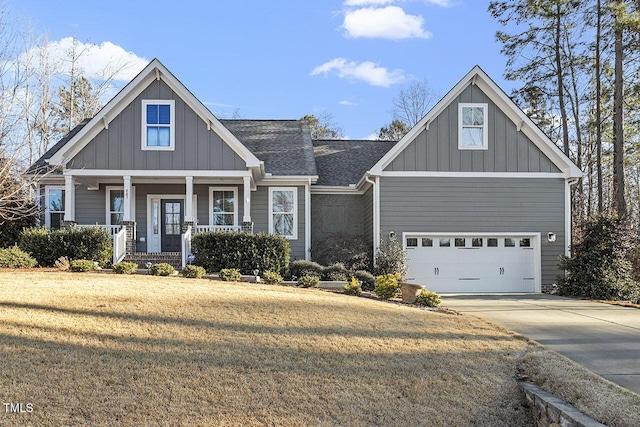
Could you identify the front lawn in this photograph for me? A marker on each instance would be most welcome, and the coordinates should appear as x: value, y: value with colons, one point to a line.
x: 99, y: 349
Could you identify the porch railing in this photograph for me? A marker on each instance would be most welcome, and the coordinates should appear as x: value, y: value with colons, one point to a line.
x: 228, y: 228
x: 186, y: 246
x: 120, y: 245
x: 111, y: 229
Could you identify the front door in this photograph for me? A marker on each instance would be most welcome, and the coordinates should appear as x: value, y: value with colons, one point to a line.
x: 171, y: 230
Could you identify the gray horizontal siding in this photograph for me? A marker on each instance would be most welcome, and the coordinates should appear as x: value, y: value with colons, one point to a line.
x: 478, y: 205
x: 367, y: 215
x: 119, y: 147
x: 335, y: 213
x: 436, y: 149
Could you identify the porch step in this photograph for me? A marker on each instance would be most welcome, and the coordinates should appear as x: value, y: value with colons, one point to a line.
x: 142, y: 258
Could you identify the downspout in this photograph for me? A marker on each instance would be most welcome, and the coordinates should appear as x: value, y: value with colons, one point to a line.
x: 568, y: 239
x: 376, y: 215
x: 307, y: 220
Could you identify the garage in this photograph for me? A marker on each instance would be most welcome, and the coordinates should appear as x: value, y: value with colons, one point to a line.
x: 474, y: 262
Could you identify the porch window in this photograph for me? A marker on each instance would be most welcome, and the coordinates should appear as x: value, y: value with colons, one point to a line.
x: 283, y: 212
x: 115, y: 204
x: 158, y: 125
x: 223, y: 206
x: 472, y: 127
x: 54, y: 207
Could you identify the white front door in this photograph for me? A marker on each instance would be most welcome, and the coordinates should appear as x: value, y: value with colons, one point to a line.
x: 466, y: 263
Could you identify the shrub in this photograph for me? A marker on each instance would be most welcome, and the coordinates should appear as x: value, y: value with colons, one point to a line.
x: 271, y: 277
x: 354, y: 252
x: 125, y: 267
x: 387, y: 285
x: 353, y: 288
x: 335, y: 272
x: 308, y: 281
x: 366, y: 278
x: 193, y: 272
x: 600, y: 267
x: 10, y: 230
x: 92, y: 243
x: 428, y: 298
x: 16, y: 258
x: 162, y: 269
x: 230, y: 274
x: 246, y: 252
x: 391, y: 258
x: 82, y: 265
x: 62, y: 264
x: 302, y: 267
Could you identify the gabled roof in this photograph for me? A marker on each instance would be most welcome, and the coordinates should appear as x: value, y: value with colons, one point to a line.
x: 283, y: 145
x: 155, y: 70
x: 344, y: 162
x: 478, y: 77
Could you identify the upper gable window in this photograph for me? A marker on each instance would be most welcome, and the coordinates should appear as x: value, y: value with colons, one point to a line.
x: 158, y: 125
x: 472, y: 127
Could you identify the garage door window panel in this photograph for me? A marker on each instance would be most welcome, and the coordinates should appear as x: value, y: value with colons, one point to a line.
x: 459, y: 242
x: 445, y: 243
x: 427, y: 242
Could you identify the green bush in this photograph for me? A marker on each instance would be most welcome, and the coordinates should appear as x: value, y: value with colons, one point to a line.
x: 230, y: 274
x: 246, y: 252
x: 391, y: 258
x: 387, y: 285
x: 16, y: 258
x: 308, y: 281
x: 46, y: 246
x: 271, y: 277
x: 193, y: 272
x: 125, y: 267
x: 336, y: 273
x: 366, y: 278
x: 354, y: 252
x: 428, y: 298
x: 302, y: 267
x: 82, y: 265
x: 353, y: 287
x: 162, y: 269
x: 600, y: 267
x: 10, y: 230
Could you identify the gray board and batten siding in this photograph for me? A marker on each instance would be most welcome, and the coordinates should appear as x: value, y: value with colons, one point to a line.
x: 119, y: 146
x: 436, y: 149
x: 471, y: 205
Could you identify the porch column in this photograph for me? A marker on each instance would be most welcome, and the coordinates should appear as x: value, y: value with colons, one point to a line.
x: 126, y: 216
x: 246, y: 217
x: 69, y: 199
x: 188, y: 203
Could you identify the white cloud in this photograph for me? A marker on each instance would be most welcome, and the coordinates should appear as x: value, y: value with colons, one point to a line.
x: 372, y: 137
x: 106, y: 60
x: 367, y: 72
x: 390, y: 22
x: 371, y: 2
x: 347, y: 103
x: 443, y: 3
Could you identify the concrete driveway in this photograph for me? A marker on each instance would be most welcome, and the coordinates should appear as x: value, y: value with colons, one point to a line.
x: 602, y: 337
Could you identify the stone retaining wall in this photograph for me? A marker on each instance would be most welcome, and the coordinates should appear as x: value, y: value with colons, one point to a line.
x: 549, y: 410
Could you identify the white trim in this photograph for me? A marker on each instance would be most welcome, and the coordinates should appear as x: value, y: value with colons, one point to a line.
x: 536, y: 244
x: 126, y: 216
x: 307, y: 221
x: 246, y: 199
x: 69, y: 198
x: 328, y: 189
x: 376, y: 217
x: 107, y: 194
x: 484, y: 127
x: 288, y: 180
x: 155, y: 70
x: 172, y: 125
x: 235, y: 203
x: 504, y: 103
x: 424, y: 174
x: 158, y: 173
x: 150, y: 197
x: 47, y: 212
x: 567, y: 216
x: 294, y: 236
x: 188, y: 203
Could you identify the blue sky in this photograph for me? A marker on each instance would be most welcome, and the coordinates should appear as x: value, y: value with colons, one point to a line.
x: 283, y: 59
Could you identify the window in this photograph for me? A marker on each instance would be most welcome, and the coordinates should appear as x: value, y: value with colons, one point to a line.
x: 492, y: 242
x: 283, y: 215
x: 223, y: 206
x: 525, y: 243
x: 509, y: 242
x: 115, y: 204
x: 427, y: 242
x: 472, y: 127
x: 412, y: 242
x: 54, y: 207
x: 459, y: 242
x: 158, y: 125
x: 476, y: 242
x: 445, y: 243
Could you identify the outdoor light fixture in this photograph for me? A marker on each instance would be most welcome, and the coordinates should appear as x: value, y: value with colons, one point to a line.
x: 392, y: 235
x: 551, y: 237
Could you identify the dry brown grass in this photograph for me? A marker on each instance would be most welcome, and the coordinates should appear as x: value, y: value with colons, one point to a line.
x: 98, y: 349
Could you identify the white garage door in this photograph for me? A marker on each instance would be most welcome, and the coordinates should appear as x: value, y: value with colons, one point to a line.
x: 450, y: 263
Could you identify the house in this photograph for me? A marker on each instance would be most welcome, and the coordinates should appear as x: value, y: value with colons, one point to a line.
x: 477, y: 194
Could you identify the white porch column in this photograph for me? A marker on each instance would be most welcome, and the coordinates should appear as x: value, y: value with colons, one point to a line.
x: 188, y: 208
x: 246, y: 217
x: 127, y: 199
x: 69, y: 198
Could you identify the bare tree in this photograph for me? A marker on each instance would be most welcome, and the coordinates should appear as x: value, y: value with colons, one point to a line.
x: 323, y: 126
x: 413, y: 102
